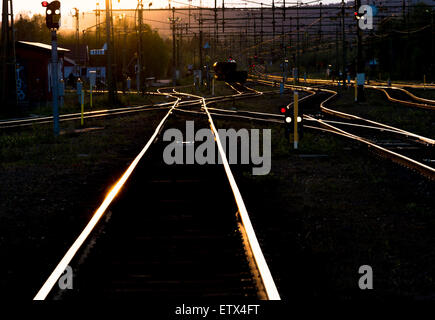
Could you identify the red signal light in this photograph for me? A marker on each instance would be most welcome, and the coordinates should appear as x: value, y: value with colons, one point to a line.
x: 45, y: 4
x: 283, y: 110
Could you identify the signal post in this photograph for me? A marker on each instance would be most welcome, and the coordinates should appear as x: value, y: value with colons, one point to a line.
x: 52, y: 19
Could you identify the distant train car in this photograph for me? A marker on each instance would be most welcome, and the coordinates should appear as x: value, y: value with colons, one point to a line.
x: 227, y: 71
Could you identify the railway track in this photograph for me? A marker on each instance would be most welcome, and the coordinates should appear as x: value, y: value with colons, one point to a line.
x: 396, y: 93
x: 404, y: 97
x: 410, y: 150
x: 168, y: 92
x: 168, y: 231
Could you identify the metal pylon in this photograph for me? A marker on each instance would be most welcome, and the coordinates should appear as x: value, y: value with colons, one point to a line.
x: 8, y: 58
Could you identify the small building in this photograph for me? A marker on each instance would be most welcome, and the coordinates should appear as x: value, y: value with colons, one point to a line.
x: 34, y: 74
x: 80, y: 55
x: 85, y: 62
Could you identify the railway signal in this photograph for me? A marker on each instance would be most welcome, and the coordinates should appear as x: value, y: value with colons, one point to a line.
x: 52, y: 14
x: 52, y: 20
x: 288, y: 120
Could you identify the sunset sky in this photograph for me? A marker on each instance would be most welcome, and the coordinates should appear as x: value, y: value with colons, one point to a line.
x: 34, y: 6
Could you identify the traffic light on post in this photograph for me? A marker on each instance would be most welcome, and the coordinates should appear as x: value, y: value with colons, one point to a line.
x: 288, y: 120
x: 288, y: 114
x: 52, y: 14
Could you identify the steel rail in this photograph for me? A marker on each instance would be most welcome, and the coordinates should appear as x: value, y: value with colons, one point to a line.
x: 15, y: 123
x: 354, y: 117
x: 395, y: 157
x: 72, y: 251
x: 404, y: 102
x: 270, y: 290
x: 273, y: 115
x: 55, y: 275
x: 414, y: 96
x: 78, y: 117
x: 344, y: 115
x: 330, y: 82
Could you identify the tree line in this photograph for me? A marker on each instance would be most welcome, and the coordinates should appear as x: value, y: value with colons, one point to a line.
x: 155, y: 50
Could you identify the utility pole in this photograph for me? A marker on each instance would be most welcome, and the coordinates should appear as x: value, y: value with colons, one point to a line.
x: 262, y: 29
x: 190, y: 3
x: 359, y: 60
x: 98, y: 25
x: 8, y: 58
x: 139, y: 75
x: 282, y: 28
x: 109, y: 75
x: 343, y: 43
x: 76, y: 15
x: 433, y: 44
x: 255, y: 33
x: 273, y: 25
x: 297, y: 44
x: 174, y: 65
x: 124, y: 53
x: 283, y: 45
x: 403, y: 9
x: 200, y: 38
x: 200, y: 50
x: 178, y: 27
x: 55, y: 86
x: 215, y: 28
x: 283, y: 9
x: 337, y: 59
x: 320, y: 25
x: 223, y: 16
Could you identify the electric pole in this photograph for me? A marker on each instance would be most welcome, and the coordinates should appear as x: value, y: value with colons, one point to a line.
x: 124, y: 53
x: 174, y: 65
x: 76, y: 15
x: 223, y: 16
x: 200, y: 38
x: 343, y: 43
x: 8, y: 58
x: 297, y: 43
x: 215, y: 28
x: 178, y: 45
x: 98, y: 25
x: 273, y: 21
x: 262, y: 29
x: 110, y: 76
x: 359, y: 59
x: 320, y: 25
x: 139, y: 75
